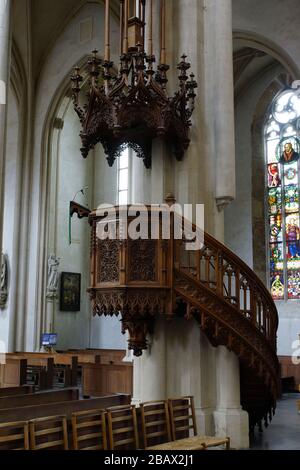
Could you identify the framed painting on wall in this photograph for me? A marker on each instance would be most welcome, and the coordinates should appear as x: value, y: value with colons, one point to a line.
x: 70, y: 285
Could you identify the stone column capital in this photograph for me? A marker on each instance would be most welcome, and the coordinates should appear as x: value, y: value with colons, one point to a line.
x: 223, y: 202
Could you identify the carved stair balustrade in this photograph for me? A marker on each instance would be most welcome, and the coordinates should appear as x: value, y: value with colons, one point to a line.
x: 233, y: 309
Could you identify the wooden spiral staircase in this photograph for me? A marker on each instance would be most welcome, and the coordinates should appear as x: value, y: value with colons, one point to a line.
x: 140, y: 279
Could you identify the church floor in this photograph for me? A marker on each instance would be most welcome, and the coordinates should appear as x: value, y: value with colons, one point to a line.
x: 284, y: 431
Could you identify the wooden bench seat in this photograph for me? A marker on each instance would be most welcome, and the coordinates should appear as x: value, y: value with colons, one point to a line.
x: 190, y: 443
x: 183, y: 422
x: 167, y: 425
x: 193, y: 443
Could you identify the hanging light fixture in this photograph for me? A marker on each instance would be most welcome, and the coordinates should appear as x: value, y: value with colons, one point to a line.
x: 131, y: 107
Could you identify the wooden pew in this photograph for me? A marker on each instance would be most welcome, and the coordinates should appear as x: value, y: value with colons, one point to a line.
x: 64, y: 367
x: 39, y: 398
x: 84, y: 356
x: 39, y: 369
x: 289, y: 371
x: 109, y: 356
x: 61, y: 408
x: 103, y: 379
x: 15, y: 391
x: 13, y: 372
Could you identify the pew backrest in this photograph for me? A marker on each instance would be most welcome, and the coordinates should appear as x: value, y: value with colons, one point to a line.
x: 26, y: 413
x: 122, y: 428
x: 13, y: 372
x: 39, y: 398
x: 89, y: 430
x: 49, y: 433
x: 14, y: 436
x: 15, y: 391
x: 104, y: 379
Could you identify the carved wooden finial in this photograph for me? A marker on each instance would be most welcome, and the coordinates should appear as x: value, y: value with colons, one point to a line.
x: 170, y: 199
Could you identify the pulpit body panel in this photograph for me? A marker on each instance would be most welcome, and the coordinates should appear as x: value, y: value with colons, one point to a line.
x: 131, y: 269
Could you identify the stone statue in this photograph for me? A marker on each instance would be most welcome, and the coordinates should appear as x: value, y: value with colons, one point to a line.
x: 3, y: 281
x: 52, y: 286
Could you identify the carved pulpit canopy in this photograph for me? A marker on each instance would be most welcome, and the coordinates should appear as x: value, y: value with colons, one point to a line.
x: 131, y: 107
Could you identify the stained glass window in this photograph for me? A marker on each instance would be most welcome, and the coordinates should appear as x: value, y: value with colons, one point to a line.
x: 282, y: 174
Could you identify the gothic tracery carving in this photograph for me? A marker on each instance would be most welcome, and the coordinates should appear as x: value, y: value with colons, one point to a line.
x: 108, y: 261
x: 142, y: 260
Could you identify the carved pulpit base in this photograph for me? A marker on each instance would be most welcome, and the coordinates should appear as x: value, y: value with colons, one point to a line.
x: 137, y: 309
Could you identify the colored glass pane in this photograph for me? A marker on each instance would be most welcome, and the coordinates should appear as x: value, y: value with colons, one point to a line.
x: 271, y: 150
x: 291, y: 197
x: 291, y: 174
x: 276, y: 256
x: 275, y: 228
x: 275, y: 200
x: 292, y: 240
x: 274, y: 179
x: 293, y: 284
x: 277, y: 285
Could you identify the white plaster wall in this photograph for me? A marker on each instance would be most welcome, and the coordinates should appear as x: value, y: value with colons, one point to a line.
x: 238, y: 229
x: 105, y: 179
x: 105, y: 332
x: 66, y: 53
x: 276, y: 22
x: 289, y: 326
x: 9, y: 223
x: 73, y: 173
x: 140, y: 182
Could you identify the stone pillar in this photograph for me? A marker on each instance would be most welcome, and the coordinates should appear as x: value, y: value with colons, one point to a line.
x: 149, y: 370
x: 190, y: 176
x: 207, y: 399
x: 4, y: 81
x: 223, y: 89
x: 230, y: 419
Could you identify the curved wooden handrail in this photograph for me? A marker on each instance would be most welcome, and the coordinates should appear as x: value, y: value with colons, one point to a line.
x: 217, y: 267
x: 250, y: 273
x: 224, y: 314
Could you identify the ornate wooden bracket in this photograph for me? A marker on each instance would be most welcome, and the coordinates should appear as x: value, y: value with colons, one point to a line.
x: 137, y: 308
x: 78, y: 209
